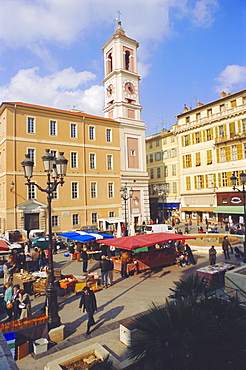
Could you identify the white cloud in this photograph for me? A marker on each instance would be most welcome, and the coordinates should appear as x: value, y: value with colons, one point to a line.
x: 60, y: 90
x: 233, y: 76
x: 204, y: 12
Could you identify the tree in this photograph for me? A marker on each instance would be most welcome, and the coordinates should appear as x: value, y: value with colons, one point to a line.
x: 202, y: 334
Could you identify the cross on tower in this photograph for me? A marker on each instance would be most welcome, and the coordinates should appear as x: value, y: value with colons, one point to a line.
x: 119, y: 14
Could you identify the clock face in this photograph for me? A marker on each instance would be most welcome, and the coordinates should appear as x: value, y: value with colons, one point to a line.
x: 110, y: 90
x: 130, y: 88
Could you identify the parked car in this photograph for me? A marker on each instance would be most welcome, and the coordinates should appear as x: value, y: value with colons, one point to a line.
x: 42, y: 243
x: 13, y: 247
x: 36, y: 233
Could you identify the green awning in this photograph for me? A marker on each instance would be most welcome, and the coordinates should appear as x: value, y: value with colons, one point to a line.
x: 229, y: 209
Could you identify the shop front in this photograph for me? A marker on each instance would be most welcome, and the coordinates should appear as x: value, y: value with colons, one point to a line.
x: 230, y: 208
x: 198, y: 207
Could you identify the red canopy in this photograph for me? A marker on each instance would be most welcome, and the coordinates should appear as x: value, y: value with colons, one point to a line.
x: 143, y: 240
x: 3, y: 245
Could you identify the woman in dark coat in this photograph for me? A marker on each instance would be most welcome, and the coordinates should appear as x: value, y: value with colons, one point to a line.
x: 189, y: 253
x: 89, y: 304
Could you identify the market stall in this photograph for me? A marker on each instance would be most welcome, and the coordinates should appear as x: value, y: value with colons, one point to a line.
x: 214, y: 274
x: 146, y: 251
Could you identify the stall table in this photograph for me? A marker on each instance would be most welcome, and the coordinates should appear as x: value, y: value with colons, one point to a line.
x: 214, y: 273
x: 25, y: 281
x: 147, y: 260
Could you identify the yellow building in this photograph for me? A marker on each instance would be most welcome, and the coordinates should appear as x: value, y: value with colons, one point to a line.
x: 91, y: 145
x: 163, y: 169
x: 212, y: 147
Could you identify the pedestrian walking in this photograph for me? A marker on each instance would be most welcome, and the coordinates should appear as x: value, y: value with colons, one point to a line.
x: 104, y: 266
x: 84, y: 256
x: 8, y: 270
x: 25, y: 305
x: 8, y: 300
x: 125, y: 259
x: 225, y: 246
x: 79, y: 250
x: 212, y: 255
x: 110, y: 271
x: 41, y: 259
x: 15, y: 302
x: 35, y: 259
x: 89, y: 304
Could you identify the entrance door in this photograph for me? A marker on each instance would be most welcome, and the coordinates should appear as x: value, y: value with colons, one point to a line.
x: 31, y: 221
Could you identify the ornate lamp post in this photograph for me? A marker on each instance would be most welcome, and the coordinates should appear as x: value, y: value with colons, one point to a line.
x: 125, y: 196
x: 56, y: 170
x: 162, y: 192
x: 234, y: 181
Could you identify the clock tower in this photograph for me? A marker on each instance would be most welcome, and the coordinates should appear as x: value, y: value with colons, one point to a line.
x: 122, y: 103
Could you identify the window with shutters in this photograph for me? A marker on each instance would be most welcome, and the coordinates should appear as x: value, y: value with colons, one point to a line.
x: 151, y: 173
x: 165, y: 171
x: 158, y: 172
x: 110, y: 189
x: 222, y: 107
x: 222, y: 155
x: 174, y: 170
x: 187, y: 161
x: 150, y: 144
x: 75, y: 219
x: 91, y: 133
x: 244, y: 150
x: 94, y: 218
x: 243, y: 125
x: 158, y: 156
x: 198, y: 115
x: 187, y: 180
x: 197, y: 137
x: 200, y: 181
x: 232, y: 129
x: 157, y: 143
x: 209, y: 135
x: 209, y: 112
x: 187, y: 119
x: 221, y: 131
x: 174, y: 187
x: 233, y: 103
x: 198, y: 159
x: 165, y: 154
x: 164, y: 140
x: 172, y: 138
x: 224, y: 179
x: 151, y: 157
x: 93, y: 189
x: 54, y: 221
x: 234, y: 153
x: 186, y: 140
x: 173, y: 152
x: 209, y: 156
x: 210, y: 180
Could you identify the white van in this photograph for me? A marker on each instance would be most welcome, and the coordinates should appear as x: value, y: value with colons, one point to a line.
x: 36, y: 233
x: 159, y: 228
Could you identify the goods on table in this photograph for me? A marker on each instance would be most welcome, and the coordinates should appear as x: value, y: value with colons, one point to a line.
x: 23, y: 323
x: 67, y: 281
x: 24, y: 277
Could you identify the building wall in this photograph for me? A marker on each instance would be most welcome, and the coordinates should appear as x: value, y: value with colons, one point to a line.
x: 15, y: 141
x: 212, y: 146
x: 163, y: 169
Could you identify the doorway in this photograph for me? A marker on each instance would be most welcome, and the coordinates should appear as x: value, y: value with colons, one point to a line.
x: 31, y: 221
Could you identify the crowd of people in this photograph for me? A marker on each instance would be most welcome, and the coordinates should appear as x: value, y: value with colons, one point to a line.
x: 17, y: 302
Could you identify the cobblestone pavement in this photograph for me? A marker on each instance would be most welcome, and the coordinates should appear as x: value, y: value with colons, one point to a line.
x: 119, y: 303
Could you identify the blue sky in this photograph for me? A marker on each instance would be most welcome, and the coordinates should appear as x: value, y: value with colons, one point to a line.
x: 190, y: 50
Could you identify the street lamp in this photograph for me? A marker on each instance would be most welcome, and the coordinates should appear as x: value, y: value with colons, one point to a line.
x: 56, y: 170
x: 125, y: 196
x: 234, y: 181
x: 162, y: 191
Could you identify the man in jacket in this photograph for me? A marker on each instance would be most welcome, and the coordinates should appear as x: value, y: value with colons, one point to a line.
x: 88, y: 301
x: 225, y: 246
x: 104, y: 266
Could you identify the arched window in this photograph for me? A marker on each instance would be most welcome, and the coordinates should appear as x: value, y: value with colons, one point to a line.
x: 127, y: 60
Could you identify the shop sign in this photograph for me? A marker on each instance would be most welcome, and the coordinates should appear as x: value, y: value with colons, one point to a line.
x: 236, y: 200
